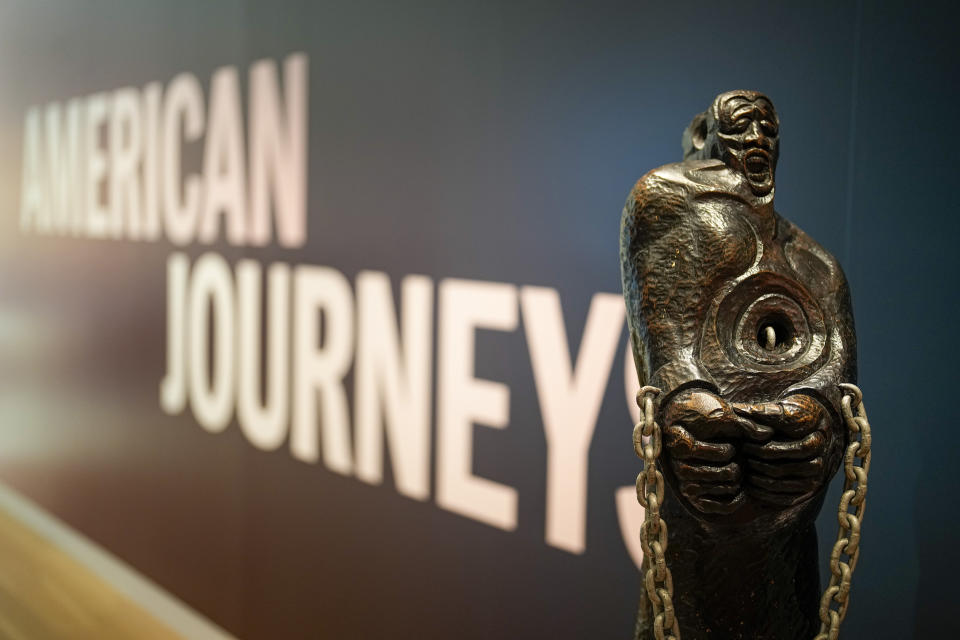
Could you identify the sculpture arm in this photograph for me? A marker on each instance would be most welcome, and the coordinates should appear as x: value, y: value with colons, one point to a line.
x: 663, y: 286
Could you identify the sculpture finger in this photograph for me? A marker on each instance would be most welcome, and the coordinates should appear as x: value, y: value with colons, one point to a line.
x: 778, y: 499
x: 727, y: 424
x: 806, y: 468
x: 792, y: 486
x: 753, y: 430
x: 694, y: 490
x: 709, y: 416
x: 706, y: 473
x: 718, y: 506
x: 795, y: 416
x: 684, y: 446
x: 808, y: 447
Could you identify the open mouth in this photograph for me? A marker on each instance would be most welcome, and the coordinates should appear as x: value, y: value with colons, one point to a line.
x: 756, y: 164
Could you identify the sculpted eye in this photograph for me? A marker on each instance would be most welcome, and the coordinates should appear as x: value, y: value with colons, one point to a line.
x: 741, y: 124
x: 769, y: 127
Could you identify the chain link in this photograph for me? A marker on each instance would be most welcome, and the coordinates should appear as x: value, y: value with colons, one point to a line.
x: 658, y: 581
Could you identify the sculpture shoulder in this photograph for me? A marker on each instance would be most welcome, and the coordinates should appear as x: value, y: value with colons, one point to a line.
x: 673, y: 185
x: 808, y: 258
x: 694, y: 206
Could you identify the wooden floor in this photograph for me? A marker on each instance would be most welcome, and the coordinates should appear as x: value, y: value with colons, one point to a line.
x: 47, y: 595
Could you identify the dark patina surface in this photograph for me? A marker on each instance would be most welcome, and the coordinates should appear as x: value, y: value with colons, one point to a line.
x: 745, y: 324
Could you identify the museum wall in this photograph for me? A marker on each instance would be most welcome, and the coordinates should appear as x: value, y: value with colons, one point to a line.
x: 310, y: 311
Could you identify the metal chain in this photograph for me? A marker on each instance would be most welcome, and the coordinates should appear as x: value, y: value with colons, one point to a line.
x: 648, y: 443
x: 846, y: 551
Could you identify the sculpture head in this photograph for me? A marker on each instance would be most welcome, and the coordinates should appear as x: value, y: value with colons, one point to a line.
x: 741, y: 129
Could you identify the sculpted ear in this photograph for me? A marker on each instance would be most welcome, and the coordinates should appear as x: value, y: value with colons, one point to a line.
x: 695, y: 136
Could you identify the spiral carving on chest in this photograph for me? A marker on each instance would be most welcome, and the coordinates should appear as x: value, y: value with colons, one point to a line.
x: 768, y: 302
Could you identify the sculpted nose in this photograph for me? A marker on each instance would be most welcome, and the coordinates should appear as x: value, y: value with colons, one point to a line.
x: 755, y: 134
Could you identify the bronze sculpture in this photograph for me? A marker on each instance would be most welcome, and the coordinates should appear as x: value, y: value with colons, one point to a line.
x: 743, y: 331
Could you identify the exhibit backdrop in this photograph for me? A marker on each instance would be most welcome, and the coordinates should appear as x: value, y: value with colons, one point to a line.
x: 310, y: 311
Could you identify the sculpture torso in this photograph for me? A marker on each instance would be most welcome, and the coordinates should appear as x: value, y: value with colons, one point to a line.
x: 730, y: 267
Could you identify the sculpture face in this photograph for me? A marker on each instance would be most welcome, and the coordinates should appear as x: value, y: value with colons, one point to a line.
x: 748, y: 137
